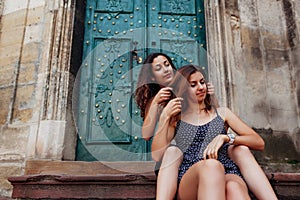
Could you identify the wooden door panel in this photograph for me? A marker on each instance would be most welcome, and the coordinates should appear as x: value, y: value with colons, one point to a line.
x: 105, y: 125
x: 109, y: 67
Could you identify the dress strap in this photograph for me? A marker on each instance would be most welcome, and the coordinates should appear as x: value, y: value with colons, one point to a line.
x: 216, y: 110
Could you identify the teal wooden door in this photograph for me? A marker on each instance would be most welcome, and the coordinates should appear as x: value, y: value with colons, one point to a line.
x: 119, y: 34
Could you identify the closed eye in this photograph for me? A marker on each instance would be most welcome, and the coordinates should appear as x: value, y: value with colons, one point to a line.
x: 193, y: 84
x: 157, y: 67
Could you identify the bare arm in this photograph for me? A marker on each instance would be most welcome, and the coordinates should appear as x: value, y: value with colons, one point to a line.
x: 152, y: 111
x: 245, y: 135
x: 166, y: 129
x: 151, y: 116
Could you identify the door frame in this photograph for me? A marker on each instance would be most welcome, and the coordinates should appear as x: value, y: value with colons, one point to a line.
x: 213, y: 13
x: 68, y: 21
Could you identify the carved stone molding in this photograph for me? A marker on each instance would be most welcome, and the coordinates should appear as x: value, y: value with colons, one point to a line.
x: 217, y: 60
x: 58, y: 60
x: 1, y: 8
x: 54, y: 75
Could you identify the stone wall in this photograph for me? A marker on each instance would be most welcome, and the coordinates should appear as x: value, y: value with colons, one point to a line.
x: 254, y: 49
x: 257, y: 60
x: 35, y: 43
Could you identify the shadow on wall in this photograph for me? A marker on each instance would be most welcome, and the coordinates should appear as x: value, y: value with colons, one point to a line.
x: 280, y: 154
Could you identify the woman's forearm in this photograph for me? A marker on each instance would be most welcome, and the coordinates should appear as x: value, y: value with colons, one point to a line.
x: 148, y: 127
x: 150, y: 121
x: 161, y: 139
x: 252, y: 141
x: 245, y: 134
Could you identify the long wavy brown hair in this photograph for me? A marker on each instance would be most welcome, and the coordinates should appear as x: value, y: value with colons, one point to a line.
x: 180, y: 84
x: 146, y: 88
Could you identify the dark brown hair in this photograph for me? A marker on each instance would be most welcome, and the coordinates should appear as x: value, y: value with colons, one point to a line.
x: 181, y: 83
x: 146, y: 88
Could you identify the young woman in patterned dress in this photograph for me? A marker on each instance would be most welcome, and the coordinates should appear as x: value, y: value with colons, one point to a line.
x: 200, y: 131
x: 151, y: 95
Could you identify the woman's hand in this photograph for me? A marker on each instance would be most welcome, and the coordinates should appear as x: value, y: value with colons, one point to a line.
x: 172, y: 108
x: 163, y: 95
x: 210, y: 88
x: 213, y: 147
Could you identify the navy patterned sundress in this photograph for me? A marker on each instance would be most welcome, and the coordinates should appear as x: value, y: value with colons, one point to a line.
x: 192, y: 141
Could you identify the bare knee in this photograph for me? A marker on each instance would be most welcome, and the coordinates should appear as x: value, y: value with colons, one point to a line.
x: 236, y: 190
x: 233, y: 186
x: 173, y: 151
x: 211, y: 166
x: 239, y: 151
x: 204, y: 177
x: 172, y: 155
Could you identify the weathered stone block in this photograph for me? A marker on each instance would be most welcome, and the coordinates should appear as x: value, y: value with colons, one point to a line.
x: 270, y: 22
x: 13, y: 19
x: 14, y: 6
x: 278, y: 82
x: 250, y: 98
x: 31, y: 52
x: 295, y: 57
x: 296, y: 139
x: 33, y: 34
x: 7, y: 75
x: 11, y: 37
x: 272, y: 41
x: 50, y: 140
x: 24, y: 103
x: 37, y: 3
x: 252, y: 57
x: 277, y: 58
x: 279, y: 148
x: 9, y: 56
x: 6, y: 95
x: 250, y: 37
x: 14, y: 142
x: 7, y: 171
x: 35, y: 15
x: 28, y: 73
x: 248, y: 13
x: 283, y: 120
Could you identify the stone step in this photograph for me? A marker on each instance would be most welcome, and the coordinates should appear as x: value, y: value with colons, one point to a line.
x: 105, y: 180
x: 103, y: 186
x: 85, y: 180
x: 285, y: 185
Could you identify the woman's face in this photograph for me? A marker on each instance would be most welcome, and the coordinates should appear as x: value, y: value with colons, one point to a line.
x: 197, y: 90
x: 162, y: 71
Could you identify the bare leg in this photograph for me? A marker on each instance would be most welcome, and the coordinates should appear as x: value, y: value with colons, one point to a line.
x: 236, y: 188
x: 204, y: 180
x: 168, y: 173
x: 255, y: 177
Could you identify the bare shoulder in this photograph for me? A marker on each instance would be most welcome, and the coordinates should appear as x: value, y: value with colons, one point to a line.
x: 224, y: 112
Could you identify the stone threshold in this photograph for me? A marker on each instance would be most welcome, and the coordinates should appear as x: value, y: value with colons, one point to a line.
x: 88, y: 168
